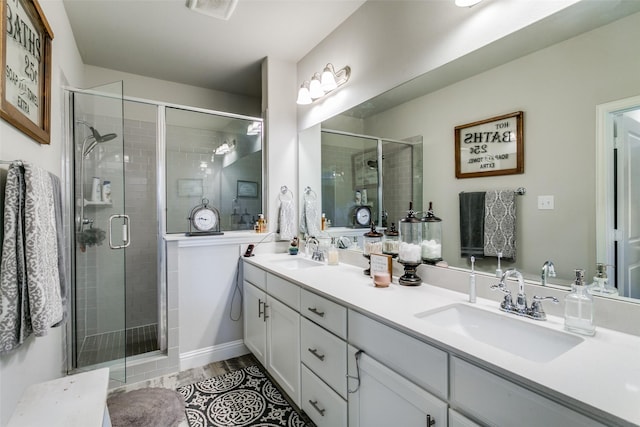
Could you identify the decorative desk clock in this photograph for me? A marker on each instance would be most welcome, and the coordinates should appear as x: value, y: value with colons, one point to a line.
x: 204, y: 220
x: 362, y: 216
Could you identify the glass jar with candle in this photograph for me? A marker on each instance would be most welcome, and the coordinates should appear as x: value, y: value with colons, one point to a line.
x: 372, y: 241
x: 431, y: 237
x: 391, y: 241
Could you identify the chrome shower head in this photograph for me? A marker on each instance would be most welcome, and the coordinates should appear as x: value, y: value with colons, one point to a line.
x: 95, y: 139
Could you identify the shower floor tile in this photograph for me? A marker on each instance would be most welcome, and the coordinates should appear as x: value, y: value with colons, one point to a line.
x: 109, y: 346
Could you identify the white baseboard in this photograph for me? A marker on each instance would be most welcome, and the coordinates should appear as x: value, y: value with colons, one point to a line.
x: 204, y: 356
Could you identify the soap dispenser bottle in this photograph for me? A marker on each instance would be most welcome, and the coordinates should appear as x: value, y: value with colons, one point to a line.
x: 578, y: 308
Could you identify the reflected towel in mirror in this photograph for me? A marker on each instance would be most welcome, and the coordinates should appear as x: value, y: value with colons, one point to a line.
x: 472, y: 224
x: 500, y: 224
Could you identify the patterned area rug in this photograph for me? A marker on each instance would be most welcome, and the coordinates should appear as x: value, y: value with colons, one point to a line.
x: 240, y: 398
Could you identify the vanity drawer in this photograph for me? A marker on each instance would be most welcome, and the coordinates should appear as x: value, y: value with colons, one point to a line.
x: 325, y: 313
x: 254, y: 275
x: 458, y: 420
x: 320, y: 403
x: 476, y: 391
x: 417, y: 361
x: 325, y: 354
x: 284, y: 290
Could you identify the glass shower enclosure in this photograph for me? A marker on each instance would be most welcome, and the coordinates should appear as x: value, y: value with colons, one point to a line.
x: 114, y: 230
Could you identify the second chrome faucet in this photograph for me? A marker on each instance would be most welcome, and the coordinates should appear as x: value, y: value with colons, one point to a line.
x: 520, y: 307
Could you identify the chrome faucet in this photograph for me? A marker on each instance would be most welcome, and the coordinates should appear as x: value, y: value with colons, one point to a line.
x: 520, y: 307
x: 313, y: 246
x: 548, y: 270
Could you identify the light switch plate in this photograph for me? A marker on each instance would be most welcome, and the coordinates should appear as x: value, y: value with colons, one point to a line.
x: 545, y: 202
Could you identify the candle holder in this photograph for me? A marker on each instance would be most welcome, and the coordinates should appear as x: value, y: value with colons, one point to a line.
x: 409, y: 249
x: 410, y: 278
x: 432, y: 237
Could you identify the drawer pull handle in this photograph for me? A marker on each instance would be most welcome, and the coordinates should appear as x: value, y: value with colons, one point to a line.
x: 315, y: 311
x: 314, y: 403
x: 315, y: 353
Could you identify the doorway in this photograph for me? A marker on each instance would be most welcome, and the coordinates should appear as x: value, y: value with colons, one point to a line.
x: 618, y: 194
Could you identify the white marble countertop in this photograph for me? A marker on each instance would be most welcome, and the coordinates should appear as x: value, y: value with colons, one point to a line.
x: 599, y: 376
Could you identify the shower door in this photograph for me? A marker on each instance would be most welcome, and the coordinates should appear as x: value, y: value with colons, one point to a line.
x: 101, y: 230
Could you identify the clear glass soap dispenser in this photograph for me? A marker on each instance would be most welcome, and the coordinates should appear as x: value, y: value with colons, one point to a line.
x: 578, y: 308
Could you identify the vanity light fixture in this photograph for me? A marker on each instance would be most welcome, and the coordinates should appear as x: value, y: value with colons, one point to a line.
x: 225, y: 148
x: 467, y: 3
x: 254, y: 128
x: 322, y: 84
x: 220, y: 9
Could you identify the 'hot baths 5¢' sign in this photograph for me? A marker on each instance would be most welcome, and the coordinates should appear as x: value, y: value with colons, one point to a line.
x: 490, y: 147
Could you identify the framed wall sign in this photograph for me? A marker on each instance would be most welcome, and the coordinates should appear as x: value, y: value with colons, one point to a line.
x: 490, y: 147
x: 25, y: 82
x: 247, y: 189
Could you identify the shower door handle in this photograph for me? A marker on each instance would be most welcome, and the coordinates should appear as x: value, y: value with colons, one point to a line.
x: 126, y: 235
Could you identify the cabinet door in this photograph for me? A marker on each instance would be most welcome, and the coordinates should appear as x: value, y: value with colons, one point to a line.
x: 387, y: 399
x: 255, y: 327
x: 283, y: 347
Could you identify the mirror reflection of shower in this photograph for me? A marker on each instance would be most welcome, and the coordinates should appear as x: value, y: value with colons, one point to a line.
x: 89, y: 143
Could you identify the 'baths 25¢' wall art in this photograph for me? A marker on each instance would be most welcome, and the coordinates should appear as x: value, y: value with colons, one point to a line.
x: 490, y: 147
x: 25, y: 80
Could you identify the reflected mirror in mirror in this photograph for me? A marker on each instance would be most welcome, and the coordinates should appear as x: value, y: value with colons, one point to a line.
x: 366, y: 178
x: 217, y: 157
x: 558, y: 94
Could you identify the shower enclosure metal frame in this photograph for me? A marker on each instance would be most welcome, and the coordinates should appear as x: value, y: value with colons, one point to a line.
x: 70, y: 225
x: 165, y: 342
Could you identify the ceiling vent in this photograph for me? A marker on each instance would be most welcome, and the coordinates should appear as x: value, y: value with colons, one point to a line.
x: 220, y: 9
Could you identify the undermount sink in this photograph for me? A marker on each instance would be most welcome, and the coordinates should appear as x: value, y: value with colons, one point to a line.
x: 297, y: 263
x: 511, y: 334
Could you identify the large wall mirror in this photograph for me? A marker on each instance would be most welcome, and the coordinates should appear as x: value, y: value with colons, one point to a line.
x: 559, y: 89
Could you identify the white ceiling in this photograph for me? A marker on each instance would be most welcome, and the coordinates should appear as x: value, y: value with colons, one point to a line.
x: 165, y: 40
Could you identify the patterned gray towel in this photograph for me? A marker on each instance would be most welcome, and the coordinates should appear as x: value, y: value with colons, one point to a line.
x: 500, y: 223
x: 30, y: 294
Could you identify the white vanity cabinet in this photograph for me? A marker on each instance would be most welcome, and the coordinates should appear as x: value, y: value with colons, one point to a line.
x: 272, y: 328
x: 308, y: 343
x: 384, y: 398
x: 403, y: 381
x: 323, y: 353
